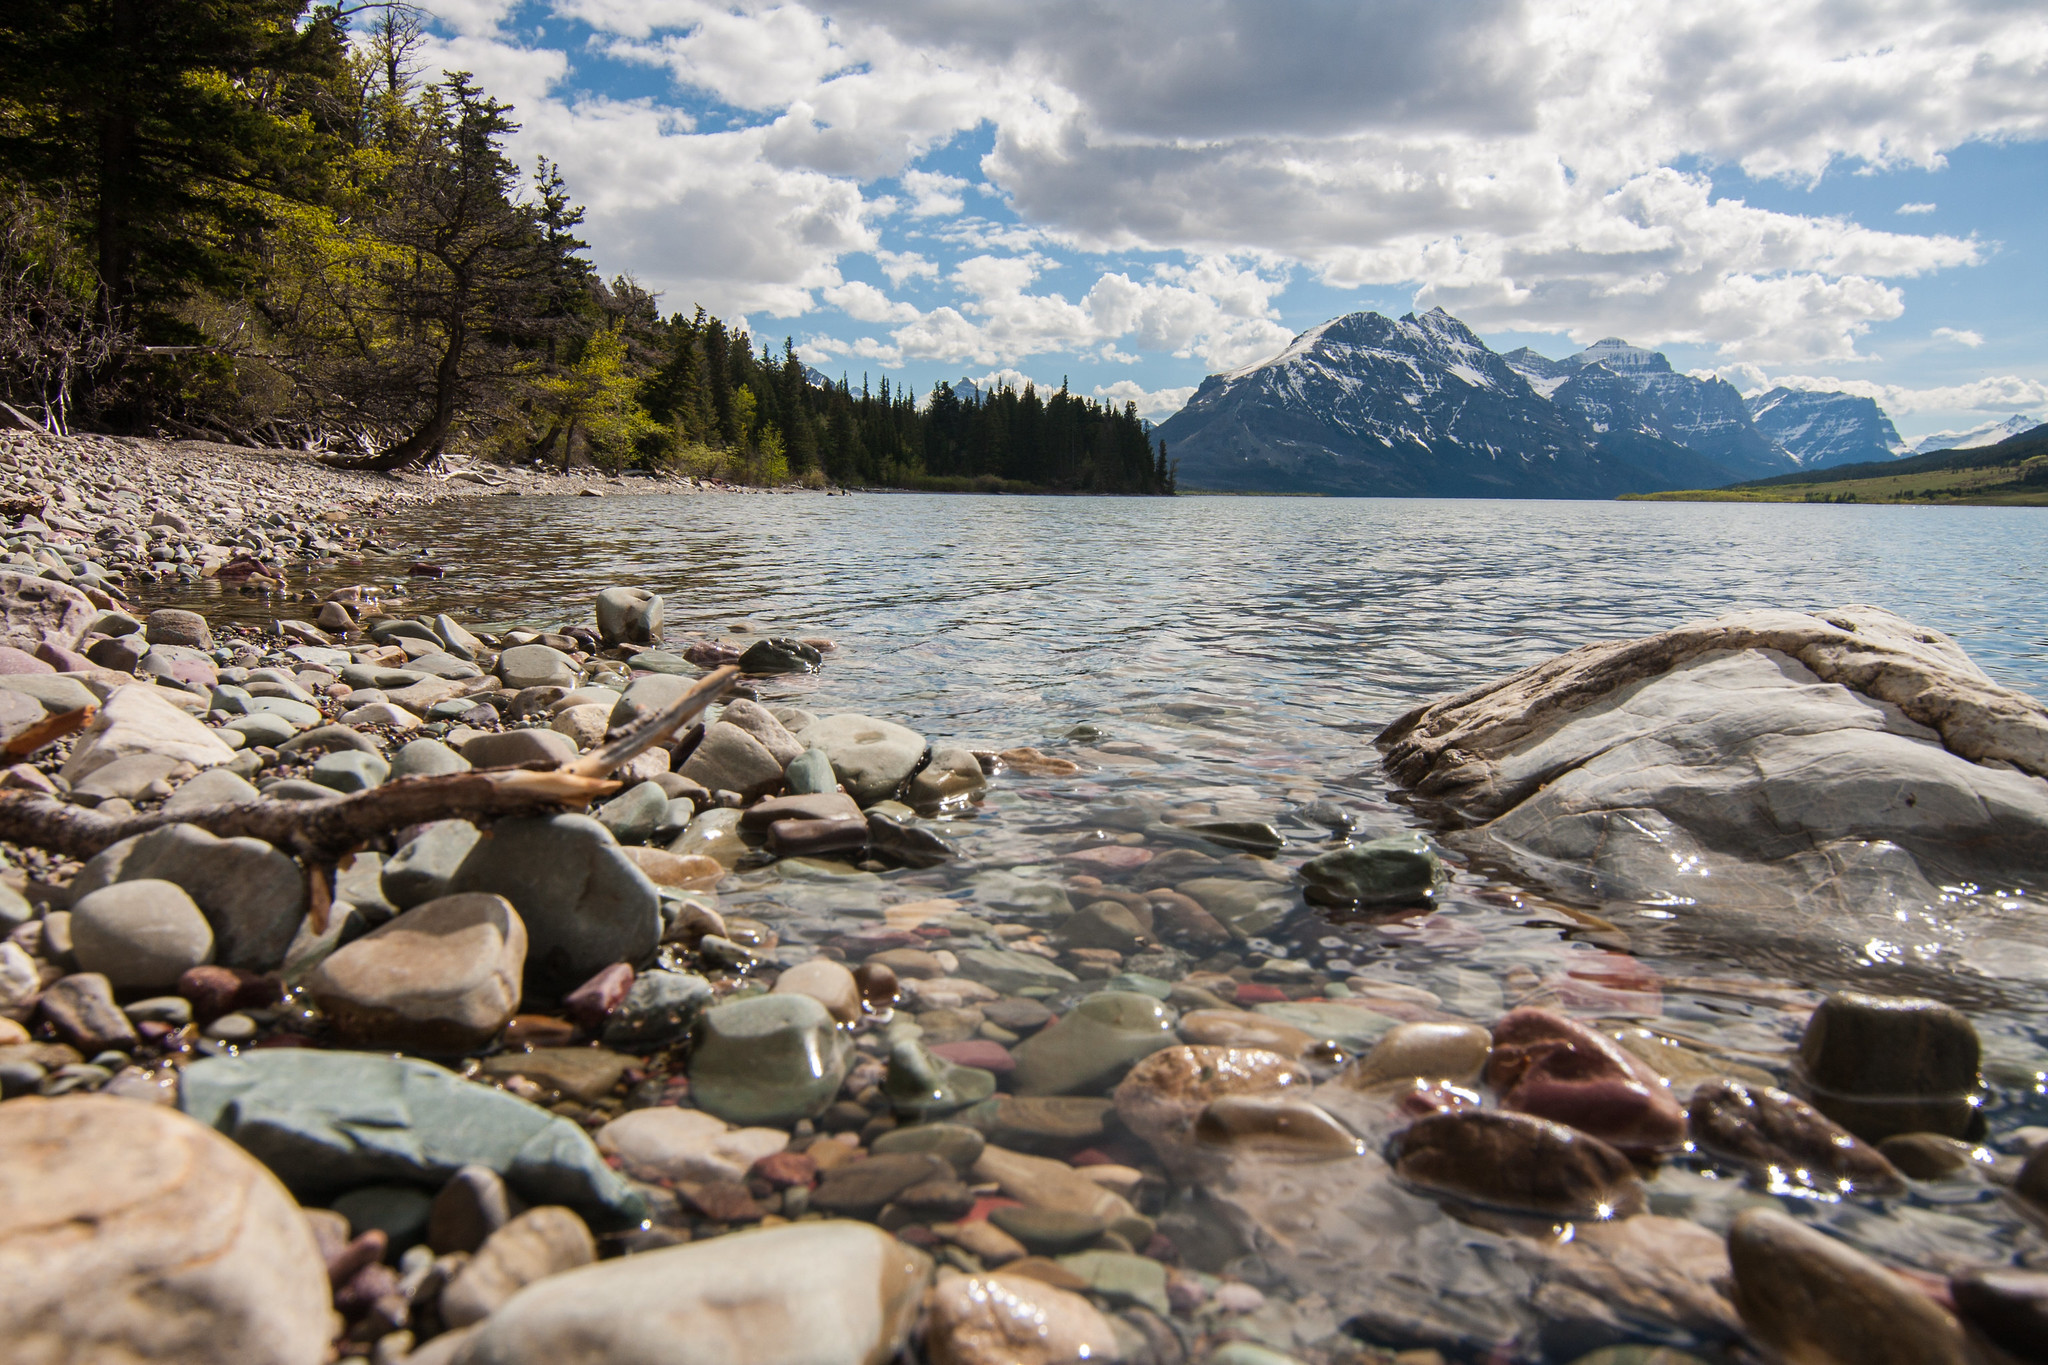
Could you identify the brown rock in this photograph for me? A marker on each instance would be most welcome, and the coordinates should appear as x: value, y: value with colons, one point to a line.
x: 2009, y: 1306
x: 683, y: 871
x: 1275, y: 1125
x: 1407, y: 1052
x: 912, y: 963
x: 1042, y: 1183
x: 1166, y: 1092
x: 827, y: 982
x: 582, y: 1073
x: 591, y: 1003
x: 130, y: 1232
x: 1880, y: 1065
x: 1517, y: 1162
x: 816, y: 806
x: 860, y: 1189
x: 538, y: 1243
x: 1242, y: 1028
x: 442, y: 977
x: 1784, y: 1143
x: 81, y: 1008
x: 1812, y: 1299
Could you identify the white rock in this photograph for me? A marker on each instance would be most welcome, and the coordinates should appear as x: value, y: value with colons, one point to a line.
x: 823, y: 1293
x: 585, y: 723
x: 138, y: 719
x: 667, y: 1143
x: 827, y: 982
x: 1013, y: 1320
x: 129, y: 1232
x: 1812, y: 779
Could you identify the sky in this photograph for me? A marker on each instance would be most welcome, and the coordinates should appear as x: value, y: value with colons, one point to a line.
x: 1129, y: 195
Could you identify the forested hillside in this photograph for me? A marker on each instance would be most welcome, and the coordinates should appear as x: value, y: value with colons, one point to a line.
x: 258, y: 222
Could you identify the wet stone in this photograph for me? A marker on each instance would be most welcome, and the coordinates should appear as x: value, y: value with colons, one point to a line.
x: 1050, y: 1232
x: 918, y: 1082
x: 1275, y: 1126
x: 2010, y: 1306
x: 955, y: 1142
x: 1556, y: 1068
x: 1091, y: 1046
x: 81, y: 1009
x: 859, y: 1190
x: 1881, y: 1065
x: 1807, y: 1296
x: 1451, y: 1052
x: 1784, y: 1143
x: 661, y: 1008
x: 768, y: 1059
x: 1516, y: 1162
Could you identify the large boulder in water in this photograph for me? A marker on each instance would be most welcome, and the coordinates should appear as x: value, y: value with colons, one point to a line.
x: 1804, y: 783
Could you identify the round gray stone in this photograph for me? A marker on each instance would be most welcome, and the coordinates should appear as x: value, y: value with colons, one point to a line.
x: 140, y: 935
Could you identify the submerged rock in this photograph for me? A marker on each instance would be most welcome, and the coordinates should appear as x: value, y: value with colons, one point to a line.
x: 1808, y: 1297
x: 1519, y: 1163
x: 1884, y: 1065
x: 1793, y: 781
x: 768, y: 1059
x: 1556, y: 1068
x: 1014, y: 1320
x: 1784, y: 1143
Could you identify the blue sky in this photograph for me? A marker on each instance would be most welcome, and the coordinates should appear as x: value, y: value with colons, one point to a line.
x: 1132, y: 194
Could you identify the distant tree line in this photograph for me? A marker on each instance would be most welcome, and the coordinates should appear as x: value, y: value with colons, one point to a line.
x: 256, y: 221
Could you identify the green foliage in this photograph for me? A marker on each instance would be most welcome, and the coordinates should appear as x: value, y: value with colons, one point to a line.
x: 344, y: 256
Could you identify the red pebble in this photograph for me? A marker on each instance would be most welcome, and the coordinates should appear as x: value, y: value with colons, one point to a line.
x: 1259, y: 993
x: 591, y: 1003
x: 1091, y: 1156
x: 989, y: 1056
x: 986, y: 1205
x: 348, y: 1262
x: 918, y: 1235
x: 784, y: 1169
x: 215, y: 991
x: 1558, y: 1069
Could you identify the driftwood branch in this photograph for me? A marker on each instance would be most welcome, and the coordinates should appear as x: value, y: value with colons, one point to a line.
x: 320, y: 831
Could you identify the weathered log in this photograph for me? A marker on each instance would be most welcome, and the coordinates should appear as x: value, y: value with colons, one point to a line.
x: 320, y: 830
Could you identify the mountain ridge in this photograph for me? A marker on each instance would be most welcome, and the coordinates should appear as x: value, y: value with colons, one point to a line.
x: 1364, y: 404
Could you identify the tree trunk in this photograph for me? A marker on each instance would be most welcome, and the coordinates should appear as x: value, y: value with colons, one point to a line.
x: 426, y: 440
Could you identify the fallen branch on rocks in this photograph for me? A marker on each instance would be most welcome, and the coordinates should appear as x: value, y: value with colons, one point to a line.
x: 319, y: 831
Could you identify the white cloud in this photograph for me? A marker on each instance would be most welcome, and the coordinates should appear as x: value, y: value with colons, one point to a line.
x: 1153, y: 403
x: 1959, y: 337
x: 863, y: 302
x: 933, y: 194
x: 1516, y: 163
x: 905, y: 265
x: 2005, y: 393
x: 1914, y: 208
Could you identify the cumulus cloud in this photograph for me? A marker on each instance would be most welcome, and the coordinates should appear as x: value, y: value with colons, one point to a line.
x: 1959, y: 336
x: 1524, y: 166
x: 1149, y: 402
x: 2005, y: 393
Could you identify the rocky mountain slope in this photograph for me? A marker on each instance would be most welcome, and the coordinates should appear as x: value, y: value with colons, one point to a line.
x: 1819, y: 430
x: 1420, y: 406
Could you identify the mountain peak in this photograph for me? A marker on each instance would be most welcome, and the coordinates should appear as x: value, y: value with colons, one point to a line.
x: 1622, y: 358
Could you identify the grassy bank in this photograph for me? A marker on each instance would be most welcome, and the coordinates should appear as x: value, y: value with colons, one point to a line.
x: 2013, y: 473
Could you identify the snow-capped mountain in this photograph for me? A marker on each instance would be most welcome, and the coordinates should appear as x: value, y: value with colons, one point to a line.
x: 1990, y: 434
x: 1366, y: 404
x: 1822, y: 429
x: 1618, y: 387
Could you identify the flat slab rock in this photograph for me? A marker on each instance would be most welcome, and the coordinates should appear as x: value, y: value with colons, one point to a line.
x: 1796, y: 780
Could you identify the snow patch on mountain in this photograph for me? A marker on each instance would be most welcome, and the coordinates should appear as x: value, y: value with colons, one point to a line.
x: 1989, y: 434
x: 1819, y: 429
